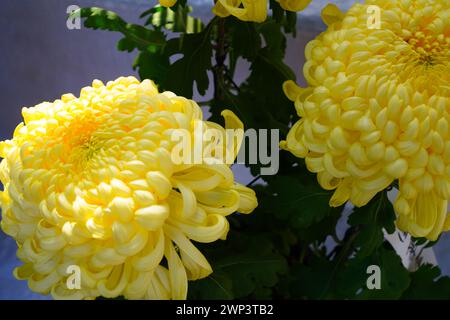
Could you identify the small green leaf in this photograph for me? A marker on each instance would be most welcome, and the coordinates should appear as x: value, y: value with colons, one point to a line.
x: 371, y: 219
x: 277, y: 11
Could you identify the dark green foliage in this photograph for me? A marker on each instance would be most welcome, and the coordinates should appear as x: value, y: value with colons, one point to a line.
x: 244, y: 266
x: 371, y: 219
x: 193, y: 66
x: 427, y: 283
x: 299, y: 204
x: 288, y: 247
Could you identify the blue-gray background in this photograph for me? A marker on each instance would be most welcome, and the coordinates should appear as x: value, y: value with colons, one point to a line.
x: 40, y: 59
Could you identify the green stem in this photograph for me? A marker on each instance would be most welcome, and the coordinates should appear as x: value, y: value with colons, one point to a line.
x: 205, y: 103
x: 220, y: 56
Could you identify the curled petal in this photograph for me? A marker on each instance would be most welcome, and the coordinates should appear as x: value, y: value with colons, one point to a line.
x: 194, y: 261
x: 251, y: 10
x: 177, y: 272
x: 331, y: 14
x: 152, y: 254
x: 216, y: 228
x: 247, y: 199
x: 116, y: 282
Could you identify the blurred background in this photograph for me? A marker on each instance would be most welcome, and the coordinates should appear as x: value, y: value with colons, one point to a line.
x: 41, y: 59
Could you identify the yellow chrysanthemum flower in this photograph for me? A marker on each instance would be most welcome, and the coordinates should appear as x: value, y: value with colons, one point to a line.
x: 254, y: 10
x: 247, y: 10
x: 377, y: 109
x: 89, y: 182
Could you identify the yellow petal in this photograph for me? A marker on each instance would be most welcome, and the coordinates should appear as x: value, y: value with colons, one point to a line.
x: 167, y: 3
x: 116, y: 282
x: 331, y: 14
x: 196, y: 264
x: 177, y: 272
x: 294, y: 5
x: 216, y: 228
x: 159, y: 287
x: 247, y: 199
x: 152, y: 254
x: 152, y: 217
x: 292, y: 90
x: 251, y: 10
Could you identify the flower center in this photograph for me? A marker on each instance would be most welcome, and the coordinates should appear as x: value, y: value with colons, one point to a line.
x: 432, y: 50
x: 80, y: 142
x: 82, y: 154
x: 427, y: 64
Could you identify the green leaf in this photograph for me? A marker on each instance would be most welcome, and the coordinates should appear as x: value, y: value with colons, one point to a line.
x: 371, y: 219
x: 428, y: 284
x: 217, y: 286
x: 301, y: 205
x: 136, y: 36
x: 291, y: 23
x: 269, y: 59
x: 263, y: 94
x: 274, y: 38
x: 310, y: 281
x: 394, y: 277
x: 320, y: 230
x: 341, y: 279
x: 193, y: 66
x: 248, y: 261
x: 245, y: 39
x: 153, y: 66
x: 250, y: 271
x: 287, y: 19
x: 277, y: 11
x: 255, y: 99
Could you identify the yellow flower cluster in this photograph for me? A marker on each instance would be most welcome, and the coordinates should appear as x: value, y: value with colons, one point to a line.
x: 248, y: 10
x: 89, y: 182
x: 376, y: 109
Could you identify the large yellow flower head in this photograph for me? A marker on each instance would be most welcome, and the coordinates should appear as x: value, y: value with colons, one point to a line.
x: 247, y: 10
x: 90, y: 182
x: 377, y: 106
